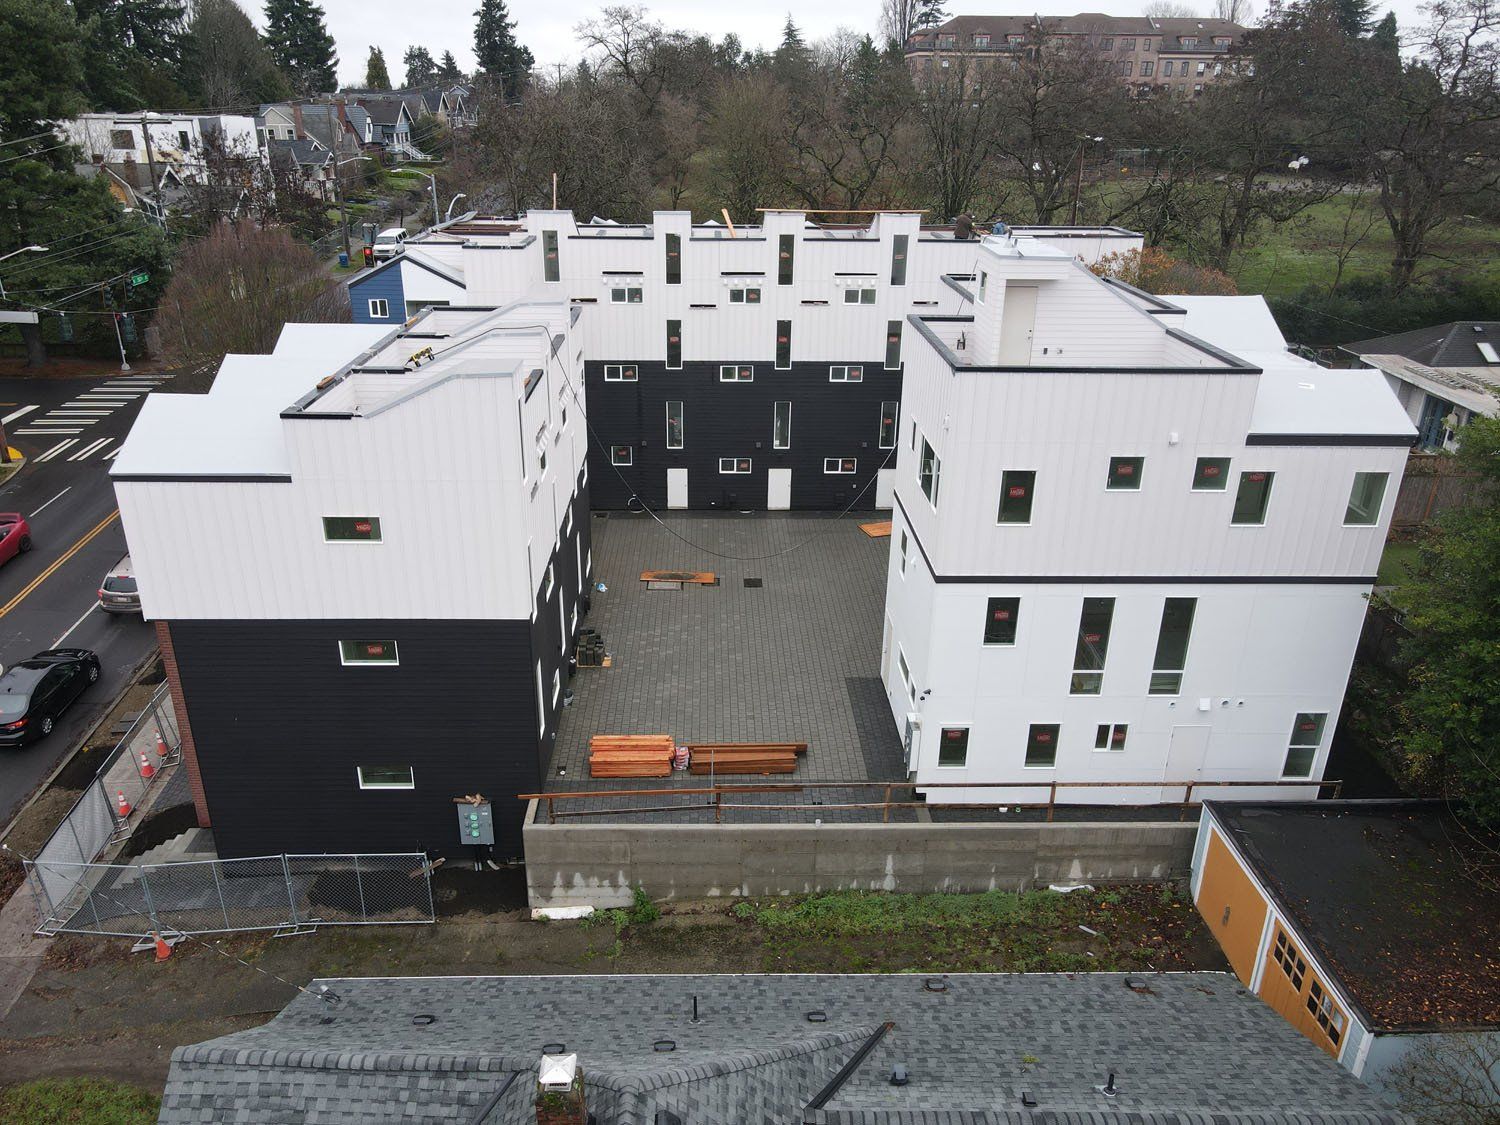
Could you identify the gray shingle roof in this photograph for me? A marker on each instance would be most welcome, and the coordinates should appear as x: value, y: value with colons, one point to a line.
x: 1183, y: 1047
x: 1455, y: 344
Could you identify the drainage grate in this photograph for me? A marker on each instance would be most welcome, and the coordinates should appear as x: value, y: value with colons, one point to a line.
x: 754, y: 583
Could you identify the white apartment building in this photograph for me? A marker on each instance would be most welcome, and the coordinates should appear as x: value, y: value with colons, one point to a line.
x: 1132, y: 539
x: 174, y: 142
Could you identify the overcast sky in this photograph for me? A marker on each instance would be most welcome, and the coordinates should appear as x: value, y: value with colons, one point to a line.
x: 546, y: 26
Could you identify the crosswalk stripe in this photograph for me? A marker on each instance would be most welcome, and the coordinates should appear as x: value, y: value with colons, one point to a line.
x: 58, y: 448
x: 78, y: 413
x: 11, y: 417
x: 110, y: 456
x: 88, y: 449
x: 49, y: 421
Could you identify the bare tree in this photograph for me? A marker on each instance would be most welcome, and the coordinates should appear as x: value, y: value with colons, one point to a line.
x: 899, y: 18
x: 1169, y: 10
x: 1450, y: 1079
x: 960, y: 117
x: 746, y: 157
x: 1235, y: 11
x: 231, y: 292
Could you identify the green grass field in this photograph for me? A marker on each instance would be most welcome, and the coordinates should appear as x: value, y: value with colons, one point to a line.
x: 77, y: 1101
x: 1396, y: 562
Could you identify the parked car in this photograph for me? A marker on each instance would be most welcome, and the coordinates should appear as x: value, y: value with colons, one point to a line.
x: 15, y: 535
x: 388, y: 243
x: 118, y: 593
x: 33, y: 693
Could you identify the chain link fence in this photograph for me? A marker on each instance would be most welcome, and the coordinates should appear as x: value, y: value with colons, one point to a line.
x: 102, y: 812
x: 284, y: 892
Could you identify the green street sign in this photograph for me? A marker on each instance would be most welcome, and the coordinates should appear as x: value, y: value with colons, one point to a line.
x: 139, y: 279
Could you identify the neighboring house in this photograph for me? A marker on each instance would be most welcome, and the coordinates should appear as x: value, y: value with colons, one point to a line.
x: 149, y: 159
x: 1133, y: 538
x: 314, y: 164
x: 380, y: 638
x: 331, y: 125
x: 390, y: 123
x: 978, y: 1049
x: 1367, y: 924
x: 1150, y: 54
x: 758, y: 368
x: 1443, y: 375
x: 131, y: 185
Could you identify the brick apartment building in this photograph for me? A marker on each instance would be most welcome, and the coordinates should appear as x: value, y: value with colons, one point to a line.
x: 1180, y: 55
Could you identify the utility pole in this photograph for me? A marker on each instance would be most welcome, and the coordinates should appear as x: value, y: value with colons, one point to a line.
x: 1083, y: 147
x: 114, y: 314
x: 155, y: 183
x: 338, y: 190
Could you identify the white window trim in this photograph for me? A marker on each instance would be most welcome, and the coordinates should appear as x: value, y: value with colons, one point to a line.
x: 1109, y: 739
x: 838, y: 469
x: 1012, y: 523
x: 619, y: 373
x: 788, y: 443
x: 857, y: 292
x: 1228, y: 469
x: 371, y: 663
x: 937, y: 762
x: 1126, y: 457
x: 681, y: 423
x: 839, y: 372
x: 895, y: 427
x: 733, y: 463
x: 626, y: 290
x: 385, y: 308
x: 622, y: 464
x: 556, y: 685
x: 1385, y: 487
x: 734, y: 372
x: 359, y: 774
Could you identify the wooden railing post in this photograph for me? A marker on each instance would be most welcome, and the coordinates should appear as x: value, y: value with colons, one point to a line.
x: 1187, y: 799
x: 551, y: 811
x: 885, y: 814
x: 718, y: 805
x: 1051, y: 801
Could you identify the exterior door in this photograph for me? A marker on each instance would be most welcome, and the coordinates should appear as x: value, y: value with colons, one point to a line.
x: 885, y: 488
x: 677, y: 488
x: 1433, y: 432
x: 1185, y: 755
x: 779, y: 498
x: 1017, y: 320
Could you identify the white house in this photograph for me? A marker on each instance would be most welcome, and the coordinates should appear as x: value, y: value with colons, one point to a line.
x: 174, y: 142
x: 1132, y: 539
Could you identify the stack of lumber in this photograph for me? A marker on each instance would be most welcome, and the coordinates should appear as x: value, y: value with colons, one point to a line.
x: 631, y: 755
x: 745, y: 757
x: 880, y: 529
x: 694, y: 577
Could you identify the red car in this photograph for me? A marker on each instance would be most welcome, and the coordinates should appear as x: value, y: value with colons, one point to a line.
x: 15, y: 535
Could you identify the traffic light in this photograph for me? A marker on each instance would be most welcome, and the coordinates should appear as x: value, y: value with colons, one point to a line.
x: 64, y: 328
x: 127, y: 327
x: 369, y: 257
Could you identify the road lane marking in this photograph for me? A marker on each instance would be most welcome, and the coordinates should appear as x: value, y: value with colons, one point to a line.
x: 51, y: 431
x: 86, y: 450
x: 80, y: 621
x: 11, y: 417
x: 80, y: 414
x: 110, y: 456
x: 71, y: 551
x: 59, y: 496
x: 58, y: 448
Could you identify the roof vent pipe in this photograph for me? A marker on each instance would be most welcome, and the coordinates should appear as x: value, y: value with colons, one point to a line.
x: 1108, y: 1089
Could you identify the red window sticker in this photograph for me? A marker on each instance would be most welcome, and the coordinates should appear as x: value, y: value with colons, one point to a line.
x: 782, y: 339
x: 1092, y: 638
x: 1125, y: 470
x: 1044, y: 736
x: 955, y: 735
x: 1210, y: 470
x: 374, y: 650
x: 1307, y: 726
x: 848, y: 465
x: 1257, y: 477
x: 1017, y: 492
x: 1002, y: 615
x: 744, y: 465
x: 362, y: 526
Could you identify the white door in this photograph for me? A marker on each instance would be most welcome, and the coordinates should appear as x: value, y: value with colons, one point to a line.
x: 677, y: 488
x: 779, y: 495
x: 885, y: 488
x: 1017, y: 320
x: 1185, y: 757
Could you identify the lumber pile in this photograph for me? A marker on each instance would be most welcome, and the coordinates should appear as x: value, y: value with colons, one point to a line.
x: 745, y: 757
x: 631, y: 755
x: 688, y: 577
x: 880, y: 529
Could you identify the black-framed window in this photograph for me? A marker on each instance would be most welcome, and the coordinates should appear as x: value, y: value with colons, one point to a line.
x: 1172, y: 645
x: 1365, y: 499
x: 889, y: 413
x: 550, y: 268
x: 953, y: 747
x: 674, y: 424
x: 1016, y: 488
x: 1041, y: 745
x: 1211, y: 474
x: 1125, y: 474
x: 736, y: 373
x: 898, y: 259
x: 786, y: 246
x: 622, y: 455
x: 351, y: 529
x: 1094, y: 621
x: 1001, y: 616
x: 783, y: 345
x: 781, y: 425
x: 1252, y: 498
x: 892, y: 345
x: 674, y: 259
x: 674, y: 345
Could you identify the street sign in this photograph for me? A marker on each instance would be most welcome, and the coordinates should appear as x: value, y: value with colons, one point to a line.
x: 139, y: 279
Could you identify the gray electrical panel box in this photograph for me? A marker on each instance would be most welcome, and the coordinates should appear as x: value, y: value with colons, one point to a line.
x: 475, y: 825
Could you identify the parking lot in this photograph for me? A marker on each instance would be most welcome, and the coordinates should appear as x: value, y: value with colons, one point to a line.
x: 785, y: 648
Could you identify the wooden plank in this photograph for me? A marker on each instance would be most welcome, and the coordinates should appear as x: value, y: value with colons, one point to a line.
x: 700, y: 577
x: 880, y: 529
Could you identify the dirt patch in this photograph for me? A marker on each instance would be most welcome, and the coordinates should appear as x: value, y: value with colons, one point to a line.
x: 75, y: 367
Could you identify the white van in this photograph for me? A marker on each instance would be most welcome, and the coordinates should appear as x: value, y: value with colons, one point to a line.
x: 387, y: 243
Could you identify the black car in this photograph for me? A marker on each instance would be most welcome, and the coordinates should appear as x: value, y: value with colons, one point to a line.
x: 35, y: 692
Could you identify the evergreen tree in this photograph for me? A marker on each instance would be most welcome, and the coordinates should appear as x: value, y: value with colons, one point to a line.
x: 930, y: 13
x: 791, y: 58
x: 224, y: 60
x: 501, y: 57
x: 420, y: 69
x: 1385, y: 37
x: 791, y: 39
x: 132, y: 51
x: 301, y: 45
x: 447, y: 70
x: 376, y: 75
x: 1353, y: 16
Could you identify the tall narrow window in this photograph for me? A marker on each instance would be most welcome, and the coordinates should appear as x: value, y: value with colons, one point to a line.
x: 781, y: 426
x: 1000, y: 615
x: 674, y: 345
x: 898, y: 259
x: 1365, y: 498
x: 783, y: 345
x: 674, y: 259
x: 888, y: 415
x: 930, y: 472
x: 903, y: 552
x: 953, y: 748
x: 1016, y: 487
x: 1302, y: 748
x: 674, y: 425
x: 549, y: 255
x: 892, y: 345
x: 1093, y: 646
x: 1172, y: 645
x: 1253, y: 496
x: 984, y: 281
x: 786, y: 245
x: 1041, y: 746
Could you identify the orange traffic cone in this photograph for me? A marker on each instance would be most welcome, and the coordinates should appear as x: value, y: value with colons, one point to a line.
x: 163, y: 950
x: 147, y: 769
x: 161, y: 747
x: 122, y: 805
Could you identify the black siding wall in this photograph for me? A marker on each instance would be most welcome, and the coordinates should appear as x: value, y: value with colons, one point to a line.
x: 734, y: 420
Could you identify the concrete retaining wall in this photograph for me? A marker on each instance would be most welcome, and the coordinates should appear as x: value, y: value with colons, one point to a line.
x: 599, y: 864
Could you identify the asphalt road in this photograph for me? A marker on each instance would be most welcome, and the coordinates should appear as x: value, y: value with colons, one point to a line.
x: 68, y: 429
